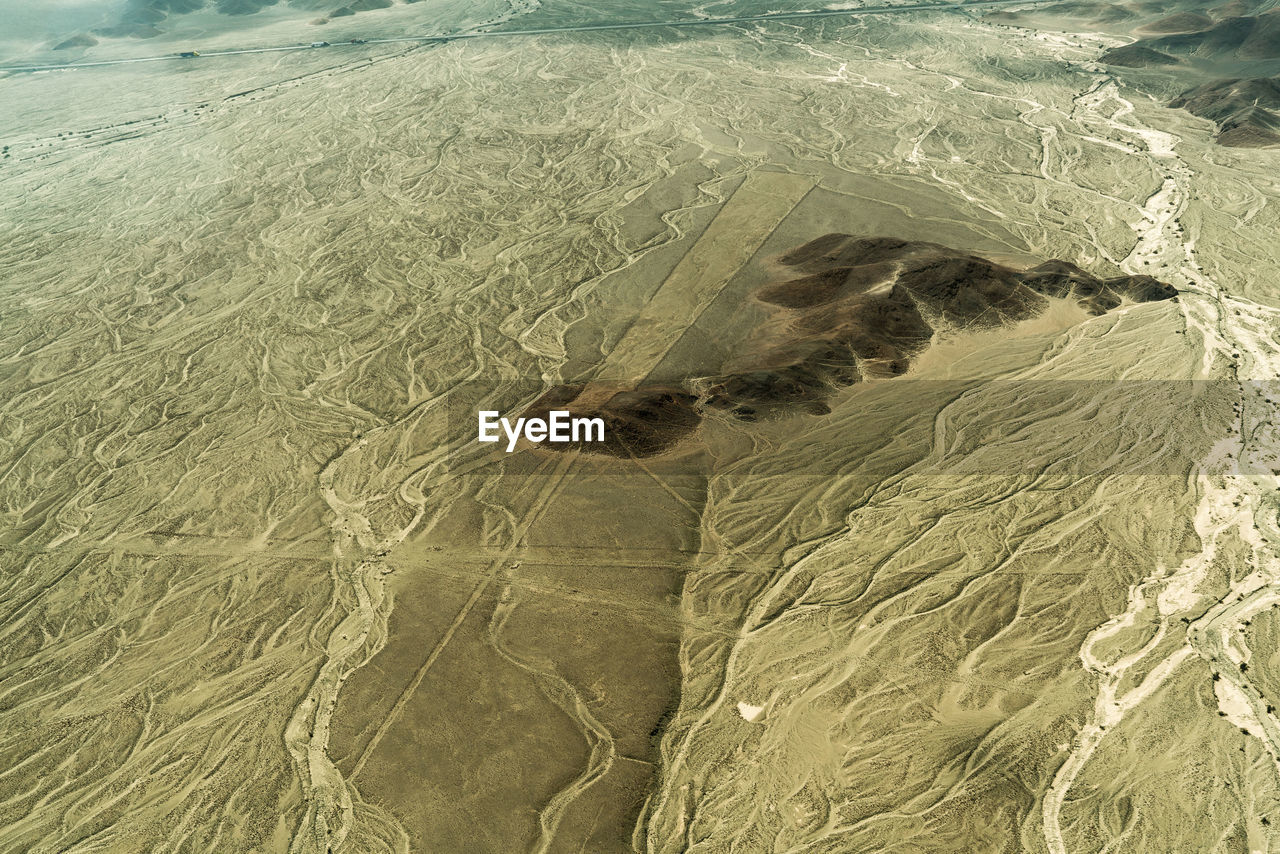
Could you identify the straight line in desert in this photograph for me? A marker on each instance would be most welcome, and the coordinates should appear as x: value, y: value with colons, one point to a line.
x: 738, y: 231
x: 540, y: 505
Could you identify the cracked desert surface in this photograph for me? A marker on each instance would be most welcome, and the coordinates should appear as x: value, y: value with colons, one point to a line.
x: 937, y: 507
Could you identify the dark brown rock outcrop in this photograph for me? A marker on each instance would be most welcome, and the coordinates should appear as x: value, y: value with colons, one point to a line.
x: 1137, y: 56
x: 845, y: 310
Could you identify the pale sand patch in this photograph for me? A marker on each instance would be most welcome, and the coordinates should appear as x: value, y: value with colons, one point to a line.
x: 950, y: 352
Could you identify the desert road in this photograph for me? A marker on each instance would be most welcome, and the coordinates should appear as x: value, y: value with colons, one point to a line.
x: 580, y: 28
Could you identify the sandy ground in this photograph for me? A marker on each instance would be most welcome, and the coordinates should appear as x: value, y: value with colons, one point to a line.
x: 263, y: 591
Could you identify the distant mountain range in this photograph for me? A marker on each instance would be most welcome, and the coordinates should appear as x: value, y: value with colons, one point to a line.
x: 1192, y: 35
x: 1226, y: 54
x: 150, y: 18
x: 1245, y: 108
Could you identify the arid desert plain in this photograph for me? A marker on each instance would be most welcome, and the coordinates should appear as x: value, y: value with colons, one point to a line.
x: 937, y: 352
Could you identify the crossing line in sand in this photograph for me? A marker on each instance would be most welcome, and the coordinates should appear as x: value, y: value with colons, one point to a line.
x: 738, y: 231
